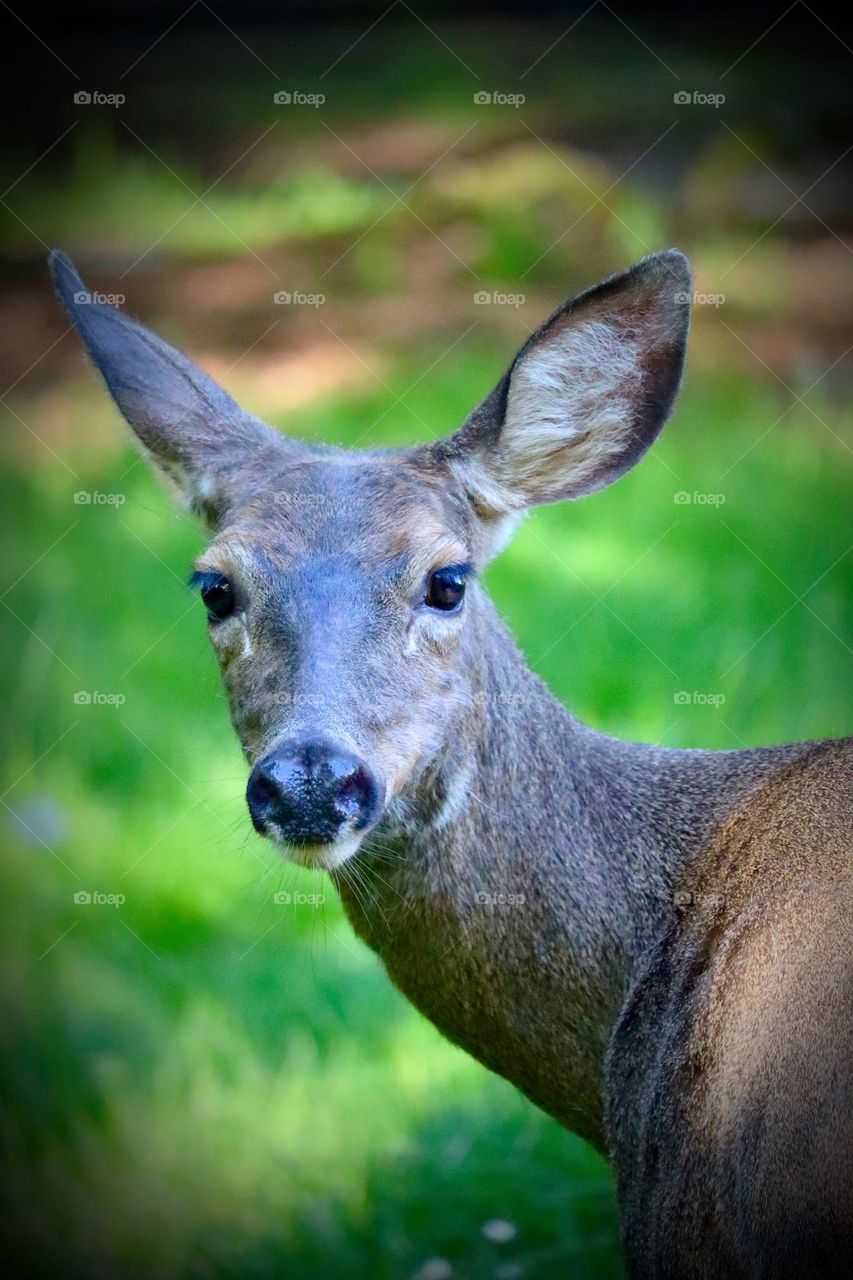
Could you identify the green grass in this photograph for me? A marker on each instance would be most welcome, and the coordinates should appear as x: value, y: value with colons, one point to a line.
x: 203, y: 1082
x: 146, y: 203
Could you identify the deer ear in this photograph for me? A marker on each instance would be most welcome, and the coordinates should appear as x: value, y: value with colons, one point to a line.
x: 584, y: 398
x: 192, y: 430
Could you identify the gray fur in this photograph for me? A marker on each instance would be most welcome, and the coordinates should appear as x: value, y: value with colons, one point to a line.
x: 588, y: 917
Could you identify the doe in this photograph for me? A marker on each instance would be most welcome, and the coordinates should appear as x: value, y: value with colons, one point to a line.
x: 392, y: 726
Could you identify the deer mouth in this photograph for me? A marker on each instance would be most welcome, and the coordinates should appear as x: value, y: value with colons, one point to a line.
x: 326, y: 857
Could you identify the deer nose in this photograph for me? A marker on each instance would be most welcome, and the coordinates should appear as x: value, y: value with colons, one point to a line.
x: 307, y: 791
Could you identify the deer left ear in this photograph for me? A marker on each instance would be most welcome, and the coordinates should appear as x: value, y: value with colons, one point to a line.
x: 194, y: 433
x: 584, y: 398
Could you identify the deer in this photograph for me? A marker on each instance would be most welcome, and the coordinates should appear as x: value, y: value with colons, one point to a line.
x: 652, y: 944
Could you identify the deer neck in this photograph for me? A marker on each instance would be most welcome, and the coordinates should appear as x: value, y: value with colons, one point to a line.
x: 511, y: 894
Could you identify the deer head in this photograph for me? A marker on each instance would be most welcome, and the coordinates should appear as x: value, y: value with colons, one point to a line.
x: 342, y: 588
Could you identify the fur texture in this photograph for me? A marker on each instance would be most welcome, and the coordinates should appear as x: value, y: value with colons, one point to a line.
x: 653, y: 945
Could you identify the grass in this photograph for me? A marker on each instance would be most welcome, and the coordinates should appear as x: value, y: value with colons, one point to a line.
x: 201, y: 1081
x: 198, y: 1080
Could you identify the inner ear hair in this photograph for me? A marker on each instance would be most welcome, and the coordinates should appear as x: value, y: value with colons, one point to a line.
x: 584, y: 398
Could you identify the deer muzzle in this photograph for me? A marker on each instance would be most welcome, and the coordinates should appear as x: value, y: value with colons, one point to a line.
x: 310, y: 793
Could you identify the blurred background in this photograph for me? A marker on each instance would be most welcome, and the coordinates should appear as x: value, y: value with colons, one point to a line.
x: 353, y: 216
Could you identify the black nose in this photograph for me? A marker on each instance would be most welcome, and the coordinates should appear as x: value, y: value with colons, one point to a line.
x: 307, y: 790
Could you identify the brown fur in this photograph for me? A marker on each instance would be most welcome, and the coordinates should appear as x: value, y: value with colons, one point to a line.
x: 653, y: 945
x: 728, y: 1072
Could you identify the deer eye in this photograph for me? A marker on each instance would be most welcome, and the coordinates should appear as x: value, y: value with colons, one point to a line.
x: 446, y: 588
x: 217, y: 595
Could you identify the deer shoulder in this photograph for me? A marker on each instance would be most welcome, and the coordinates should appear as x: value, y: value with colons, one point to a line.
x: 728, y: 1073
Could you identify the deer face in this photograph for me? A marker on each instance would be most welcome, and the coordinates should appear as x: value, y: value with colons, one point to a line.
x: 341, y: 588
x: 337, y: 604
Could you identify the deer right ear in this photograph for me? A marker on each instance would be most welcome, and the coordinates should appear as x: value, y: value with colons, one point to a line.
x: 584, y: 398
x: 192, y: 430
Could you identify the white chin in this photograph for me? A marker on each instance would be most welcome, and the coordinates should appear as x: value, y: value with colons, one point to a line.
x: 326, y: 856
